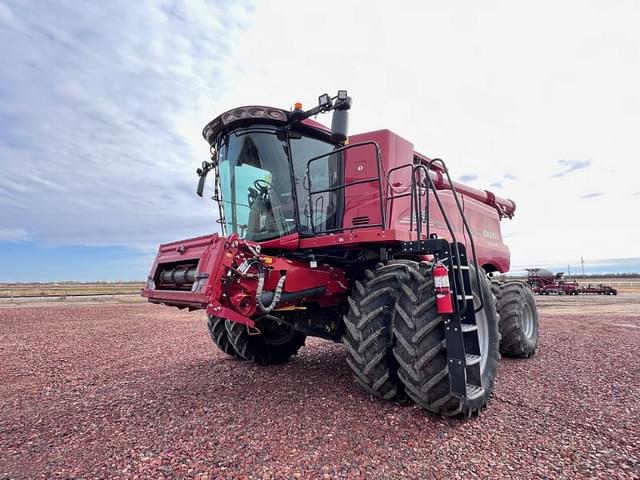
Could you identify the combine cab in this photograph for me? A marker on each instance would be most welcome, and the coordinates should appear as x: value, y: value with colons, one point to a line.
x: 358, y: 240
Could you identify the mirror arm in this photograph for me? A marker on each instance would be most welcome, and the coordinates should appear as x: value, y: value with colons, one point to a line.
x: 298, y: 115
x: 202, y: 173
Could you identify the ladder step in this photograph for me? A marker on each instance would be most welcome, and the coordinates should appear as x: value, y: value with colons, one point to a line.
x: 473, y: 391
x: 466, y: 297
x: 467, y: 327
x: 471, y: 359
x: 462, y: 267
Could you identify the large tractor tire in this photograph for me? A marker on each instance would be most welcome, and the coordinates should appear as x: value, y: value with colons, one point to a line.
x: 275, y: 343
x: 420, y: 346
x: 219, y: 335
x: 518, y: 319
x: 368, y: 333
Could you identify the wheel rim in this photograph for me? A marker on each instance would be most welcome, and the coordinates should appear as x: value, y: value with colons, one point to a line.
x: 483, y: 338
x: 527, y: 320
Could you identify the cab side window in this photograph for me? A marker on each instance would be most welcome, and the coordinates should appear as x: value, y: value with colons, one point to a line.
x: 321, y: 209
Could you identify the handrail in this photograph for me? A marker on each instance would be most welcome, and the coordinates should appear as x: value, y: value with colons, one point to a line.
x: 464, y: 222
x: 420, y: 177
x: 456, y: 250
x: 343, y: 186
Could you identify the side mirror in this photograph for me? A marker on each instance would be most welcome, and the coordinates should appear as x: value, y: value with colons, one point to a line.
x: 200, y: 189
x: 340, y: 126
x: 340, y: 120
x: 202, y: 173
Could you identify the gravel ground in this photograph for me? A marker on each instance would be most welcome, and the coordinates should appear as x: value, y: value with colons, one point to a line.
x: 97, y: 390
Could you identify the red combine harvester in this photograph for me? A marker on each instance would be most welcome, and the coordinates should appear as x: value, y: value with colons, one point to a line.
x: 359, y: 240
x: 545, y: 282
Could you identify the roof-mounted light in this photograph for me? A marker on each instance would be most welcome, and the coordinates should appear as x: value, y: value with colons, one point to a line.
x: 252, y: 112
x: 242, y: 113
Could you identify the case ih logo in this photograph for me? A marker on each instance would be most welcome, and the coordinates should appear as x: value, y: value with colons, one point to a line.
x: 490, y: 235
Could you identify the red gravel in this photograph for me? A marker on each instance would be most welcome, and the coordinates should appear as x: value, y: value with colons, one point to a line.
x: 108, y: 390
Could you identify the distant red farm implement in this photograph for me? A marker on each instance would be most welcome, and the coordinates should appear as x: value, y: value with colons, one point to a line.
x: 545, y: 282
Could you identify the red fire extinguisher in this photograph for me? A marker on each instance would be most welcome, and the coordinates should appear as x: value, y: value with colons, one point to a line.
x: 442, y: 287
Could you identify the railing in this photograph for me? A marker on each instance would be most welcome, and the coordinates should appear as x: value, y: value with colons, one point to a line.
x: 377, y: 179
x: 421, y: 183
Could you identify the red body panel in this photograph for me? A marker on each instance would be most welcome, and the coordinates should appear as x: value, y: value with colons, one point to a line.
x: 215, y: 256
x: 362, y: 201
x: 376, y: 212
x: 208, y: 251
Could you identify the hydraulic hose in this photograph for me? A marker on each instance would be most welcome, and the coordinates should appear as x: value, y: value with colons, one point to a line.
x: 277, y: 294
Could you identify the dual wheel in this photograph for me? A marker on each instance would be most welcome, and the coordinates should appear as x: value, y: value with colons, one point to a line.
x: 395, y: 337
x: 518, y: 318
x: 275, y: 343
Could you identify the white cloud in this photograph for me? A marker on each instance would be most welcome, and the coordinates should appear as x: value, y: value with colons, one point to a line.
x: 101, y: 107
x: 13, y: 235
x: 501, y: 89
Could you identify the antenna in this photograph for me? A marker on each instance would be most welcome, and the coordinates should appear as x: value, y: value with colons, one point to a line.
x: 213, y: 107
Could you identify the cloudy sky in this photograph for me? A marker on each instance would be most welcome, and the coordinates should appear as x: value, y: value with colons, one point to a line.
x: 102, y: 105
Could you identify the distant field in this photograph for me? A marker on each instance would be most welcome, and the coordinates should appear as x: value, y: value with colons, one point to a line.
x: 58, y: 290
x: 25, y: 290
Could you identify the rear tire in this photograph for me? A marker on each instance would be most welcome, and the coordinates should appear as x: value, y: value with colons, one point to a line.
x: 518, y: 319
x: 219, y: 335
x: 368, y: 330
x: 420, y: 346
x: 275, y: 343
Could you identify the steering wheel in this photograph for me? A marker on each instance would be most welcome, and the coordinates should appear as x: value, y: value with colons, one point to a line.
x: 262, y: 186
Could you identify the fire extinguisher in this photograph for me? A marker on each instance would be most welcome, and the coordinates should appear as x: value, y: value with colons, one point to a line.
x: 442, y: 287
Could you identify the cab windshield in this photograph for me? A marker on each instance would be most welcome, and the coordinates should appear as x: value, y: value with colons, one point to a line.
x: 258, y: 202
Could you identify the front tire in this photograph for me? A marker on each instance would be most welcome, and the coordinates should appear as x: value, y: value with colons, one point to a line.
x: 368, y: 330
x: 420, y: 346
x: 518, y: 319
x: 276, y: 343
x: 219, y: 336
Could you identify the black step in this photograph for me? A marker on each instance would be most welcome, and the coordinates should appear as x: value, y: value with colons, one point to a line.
x: 467, y: 327
x: 473, y: 391
x: 462, y: 267
x: 471, y: 359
